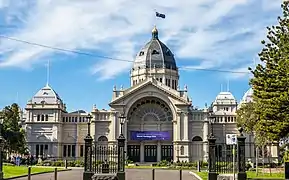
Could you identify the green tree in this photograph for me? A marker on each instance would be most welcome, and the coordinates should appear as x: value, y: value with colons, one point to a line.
x: 271, y: 82
x: 13, y: 134
x: 246, y: 117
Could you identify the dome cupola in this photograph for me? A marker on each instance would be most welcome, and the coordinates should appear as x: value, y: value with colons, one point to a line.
x: 155, y: 60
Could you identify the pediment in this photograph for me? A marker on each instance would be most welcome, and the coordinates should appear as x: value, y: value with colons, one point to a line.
x: 150, y: 87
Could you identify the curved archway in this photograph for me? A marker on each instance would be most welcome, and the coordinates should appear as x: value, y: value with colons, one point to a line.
x: 150, y: 109
x: 197, y: 148
x: 150, y: 125
x: 134, y: 99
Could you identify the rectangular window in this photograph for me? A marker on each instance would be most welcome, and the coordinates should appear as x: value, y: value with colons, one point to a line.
x: 41, y: 149
x: 161, y: 80
x: 69, y: 119
x: 64, y: 150
x: 81, y: 150
x: 73, y: 151
x: 72, y: 119
x: 69, y: 151
x: 37, y: 150
x: 38, y: 117
x: 63, y: 119
x: 46, y: 117
x: 75, y: 119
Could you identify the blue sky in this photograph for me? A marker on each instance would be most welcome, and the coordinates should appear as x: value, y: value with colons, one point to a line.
x: 223, y: 34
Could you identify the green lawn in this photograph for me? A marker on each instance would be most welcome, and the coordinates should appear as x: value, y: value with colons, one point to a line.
x: 13, y: 171
x: 250, y: 174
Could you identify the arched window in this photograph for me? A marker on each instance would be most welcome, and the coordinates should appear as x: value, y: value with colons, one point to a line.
x: 102, y: 139
x: 38, y: 117
x: 42, y: 117
x: 197, y: 138
x: 46, y: 117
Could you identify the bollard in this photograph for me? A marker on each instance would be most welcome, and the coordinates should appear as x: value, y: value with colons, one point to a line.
x: 181, y: 174
x: 65, y: 163
x: 199, y: 166
x: 153, y: 174
x: 55, y: 174
x: 29, y: 173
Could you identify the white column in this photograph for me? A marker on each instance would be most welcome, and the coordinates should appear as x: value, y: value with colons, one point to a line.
x: 186, y: 126
x: 159, y: 151
x: 179, y: 127
x: 141, y: 152
x: 205, y: 130
x: 114, y: 126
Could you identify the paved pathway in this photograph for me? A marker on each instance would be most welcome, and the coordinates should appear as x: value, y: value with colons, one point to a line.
x: 131, y: 174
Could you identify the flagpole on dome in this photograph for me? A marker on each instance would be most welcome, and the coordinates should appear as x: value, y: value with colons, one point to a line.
x: 155, y: 23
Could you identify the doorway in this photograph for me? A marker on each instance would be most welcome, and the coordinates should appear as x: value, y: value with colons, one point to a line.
x: 150, y: 154
x: 133, y: 152
x: 167, y: 152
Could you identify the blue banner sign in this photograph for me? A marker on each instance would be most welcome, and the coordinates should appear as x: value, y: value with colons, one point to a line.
x: 150, y: 135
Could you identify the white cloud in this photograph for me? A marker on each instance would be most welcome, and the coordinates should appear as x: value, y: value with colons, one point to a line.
x: 207, y: 30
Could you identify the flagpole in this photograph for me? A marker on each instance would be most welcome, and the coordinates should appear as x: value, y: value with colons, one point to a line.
x: 155, y: 18
x: 48, y: 73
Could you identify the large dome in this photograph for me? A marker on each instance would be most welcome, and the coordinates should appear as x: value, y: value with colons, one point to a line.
x: 155, y: 54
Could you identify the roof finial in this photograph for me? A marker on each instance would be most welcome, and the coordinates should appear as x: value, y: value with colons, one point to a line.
x: 48, y: 69
x: 155, y: 33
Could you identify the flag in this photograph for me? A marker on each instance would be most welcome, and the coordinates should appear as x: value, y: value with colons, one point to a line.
x: 160, y: 15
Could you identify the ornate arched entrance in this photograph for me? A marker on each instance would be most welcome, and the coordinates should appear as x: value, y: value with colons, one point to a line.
x: 150, y: 130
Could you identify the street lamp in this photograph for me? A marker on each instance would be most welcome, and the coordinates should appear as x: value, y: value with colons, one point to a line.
x: 211, y: 121
x: 121, y: 146
x: 122, y: 120
x: 1, y: 148
x: 89, y: 117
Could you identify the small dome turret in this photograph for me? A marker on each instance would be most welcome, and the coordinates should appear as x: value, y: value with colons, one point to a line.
x: 47, y: 95
x: 248, y: 97
x: 225, y: 98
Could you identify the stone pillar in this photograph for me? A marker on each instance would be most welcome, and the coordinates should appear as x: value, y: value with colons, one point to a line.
x: 114, y: 125
x: 87, y: 174
x: 121, y: 157
x: 159, y: 151
x: 212, y: 158
x: 141, y: 152
x: 186, y: 126
x: 241, y: 156
x: 179, y: 127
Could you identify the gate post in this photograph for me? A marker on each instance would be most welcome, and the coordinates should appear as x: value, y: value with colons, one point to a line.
x: 212, y: 158
x: 121, y: 157
x: 241, y: 156
x: 88, y: 173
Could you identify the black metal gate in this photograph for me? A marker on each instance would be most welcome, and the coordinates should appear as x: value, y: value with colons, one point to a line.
x: 150, y: 153
x: 225, y: 161
x: 167, y: 152
x: 221, y: 157
x: 104, y: 158
x: 104, y: 161
x: 133, y: 153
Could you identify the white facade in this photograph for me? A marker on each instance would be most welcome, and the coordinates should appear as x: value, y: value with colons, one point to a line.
x: 154, y: 102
